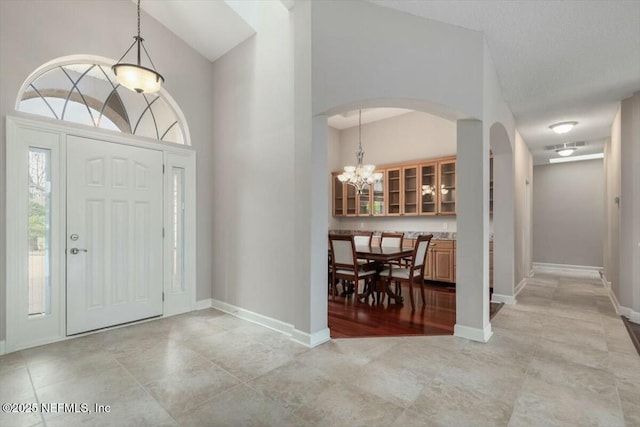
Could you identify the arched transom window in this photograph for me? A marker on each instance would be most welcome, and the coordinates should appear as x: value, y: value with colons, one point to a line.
x: 89, y: 94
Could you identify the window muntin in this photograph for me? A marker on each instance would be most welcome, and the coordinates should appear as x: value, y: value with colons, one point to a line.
x: 89, y: 94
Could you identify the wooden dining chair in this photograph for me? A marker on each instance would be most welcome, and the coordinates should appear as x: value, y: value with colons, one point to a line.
x: 413, y: 273
x: 391, y: 240
x: 394, y: 240
x: 345, y: 264
x: 362, y: 238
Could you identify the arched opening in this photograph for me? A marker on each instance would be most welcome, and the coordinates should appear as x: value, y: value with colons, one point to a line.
x: 419, y: 223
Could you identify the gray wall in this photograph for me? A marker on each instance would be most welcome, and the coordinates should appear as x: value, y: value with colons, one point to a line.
x: 34, y: 32
x: 629, y: 291
x: 568, y: 213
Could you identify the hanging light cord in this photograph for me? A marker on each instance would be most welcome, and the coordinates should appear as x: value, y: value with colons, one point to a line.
x: 138, y: 40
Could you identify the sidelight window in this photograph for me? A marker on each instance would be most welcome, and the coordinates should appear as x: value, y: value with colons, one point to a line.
x: 177, y: 254
x: 39, y: 231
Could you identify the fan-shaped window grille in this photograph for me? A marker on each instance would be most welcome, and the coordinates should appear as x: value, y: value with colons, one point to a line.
x: 89, y: 94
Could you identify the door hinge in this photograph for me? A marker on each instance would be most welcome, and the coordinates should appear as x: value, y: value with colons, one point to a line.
x: 163, y: 232
x: 163, y: 169
x: 163, y: 296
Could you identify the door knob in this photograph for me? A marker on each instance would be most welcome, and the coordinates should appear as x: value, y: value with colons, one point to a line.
x: 75, y: 251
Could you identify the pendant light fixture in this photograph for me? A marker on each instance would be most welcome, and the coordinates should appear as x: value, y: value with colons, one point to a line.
x: 135, y: 76
x: 360, y: 175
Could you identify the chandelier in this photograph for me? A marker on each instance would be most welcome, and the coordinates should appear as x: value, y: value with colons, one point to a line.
x: 135, y: 76
x: 360, y: 175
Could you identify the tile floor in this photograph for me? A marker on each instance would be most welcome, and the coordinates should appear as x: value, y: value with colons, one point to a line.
x: 560, y: 357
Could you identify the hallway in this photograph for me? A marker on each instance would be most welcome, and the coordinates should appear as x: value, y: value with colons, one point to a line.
x: 560, y: 357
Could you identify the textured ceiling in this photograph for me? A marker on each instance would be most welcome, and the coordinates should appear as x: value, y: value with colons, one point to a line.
x: 556, y: 60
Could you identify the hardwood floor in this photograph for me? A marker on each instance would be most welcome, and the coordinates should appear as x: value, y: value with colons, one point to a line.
x: 634, y: 332
x: 436, y: 317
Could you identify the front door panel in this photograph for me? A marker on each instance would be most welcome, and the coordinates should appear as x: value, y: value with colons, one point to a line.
x: 114, y: 234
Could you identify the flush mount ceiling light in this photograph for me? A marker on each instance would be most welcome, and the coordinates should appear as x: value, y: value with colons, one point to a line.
x: 135, y: 76
x: 562, y: 127
x: 577, y: 158
x: 566, y: 151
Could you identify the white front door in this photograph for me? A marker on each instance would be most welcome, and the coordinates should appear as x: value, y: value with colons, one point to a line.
x: 114, y: 234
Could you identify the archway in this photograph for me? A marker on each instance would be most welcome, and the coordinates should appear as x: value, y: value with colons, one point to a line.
x: 472, y: 319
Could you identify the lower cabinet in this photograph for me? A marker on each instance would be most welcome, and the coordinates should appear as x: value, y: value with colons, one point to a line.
x: 441, y: 261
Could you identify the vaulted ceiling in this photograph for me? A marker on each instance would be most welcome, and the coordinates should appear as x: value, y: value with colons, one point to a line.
x: 556, y: 60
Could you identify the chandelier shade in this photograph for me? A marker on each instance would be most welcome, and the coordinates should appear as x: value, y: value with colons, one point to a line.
x: 360, y: 176
x: 137, y: 77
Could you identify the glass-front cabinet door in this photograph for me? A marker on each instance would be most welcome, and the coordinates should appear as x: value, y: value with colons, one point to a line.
x: 428, y: 189
x: 393, y: 191
x: 447, y: 175
x: 364, y: 201
x: 410, y: 193
x: 338, y: 196
x: 351, y: 200
x: 377, y: 196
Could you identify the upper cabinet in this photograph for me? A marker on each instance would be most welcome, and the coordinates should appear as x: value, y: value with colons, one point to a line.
x: 411, y: 189
x: 346, y: 201
x: 394, y: 204
x: 428, y: 188
x: 447, y: 194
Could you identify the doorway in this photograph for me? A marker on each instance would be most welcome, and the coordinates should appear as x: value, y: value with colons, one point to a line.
x: 100, y: 231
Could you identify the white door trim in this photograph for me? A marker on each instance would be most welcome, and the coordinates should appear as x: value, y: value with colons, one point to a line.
x: 184, y: 156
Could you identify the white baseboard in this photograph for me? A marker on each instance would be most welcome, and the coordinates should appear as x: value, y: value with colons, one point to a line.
x: 311, y: 340
x: 474, y: 334
x: 591, y: 271
x: 614, y: 301
x: 203, y: 303
x: 507, y: 299
x: 262, y: 320
x: 3, y: 347
x: 520, y: 286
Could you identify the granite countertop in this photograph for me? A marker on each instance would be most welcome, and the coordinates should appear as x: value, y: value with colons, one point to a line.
x: 437, y: 235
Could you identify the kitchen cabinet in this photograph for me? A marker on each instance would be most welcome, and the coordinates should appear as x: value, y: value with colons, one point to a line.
x: 441, y: 261
x: 419, y: 188
x: 410, y: 190
x: 428, y: 188
x: 344, y: 198
x: 338, y: 195
x: 394, y: 204
x: 371, y: 199
x: 447, y: 180
x: 346, y: 202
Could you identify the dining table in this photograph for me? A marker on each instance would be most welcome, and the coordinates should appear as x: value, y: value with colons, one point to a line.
x: 381, y: 256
